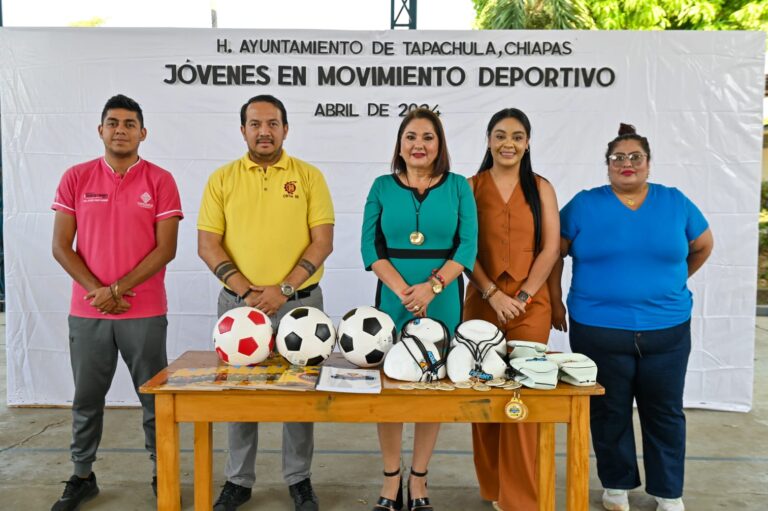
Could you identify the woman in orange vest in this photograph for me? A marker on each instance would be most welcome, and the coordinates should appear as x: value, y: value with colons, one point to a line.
x: 518, y: 243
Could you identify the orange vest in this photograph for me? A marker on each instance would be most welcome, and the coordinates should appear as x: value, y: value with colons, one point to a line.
x: 506, y: 242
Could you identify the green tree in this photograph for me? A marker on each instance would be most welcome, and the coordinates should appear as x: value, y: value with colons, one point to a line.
x: 622, y: 14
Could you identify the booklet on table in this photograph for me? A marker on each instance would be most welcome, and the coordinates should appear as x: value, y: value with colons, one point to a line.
x: 354, y: 380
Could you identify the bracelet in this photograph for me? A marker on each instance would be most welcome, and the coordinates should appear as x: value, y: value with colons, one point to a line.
x: 245, y: 295
x: 437, y: 276
x: 113, y: 289
x: 490, y: 291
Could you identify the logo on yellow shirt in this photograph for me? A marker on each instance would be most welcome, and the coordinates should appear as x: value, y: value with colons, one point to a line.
x: 290, y: 190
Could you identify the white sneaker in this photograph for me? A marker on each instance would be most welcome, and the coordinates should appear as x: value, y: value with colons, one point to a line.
x: 669, y: 504
x: 495, y: 505
x: 615, y: 500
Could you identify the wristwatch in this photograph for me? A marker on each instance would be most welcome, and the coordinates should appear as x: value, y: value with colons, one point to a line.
x: 287, y: 290
x: 437, y: 286
x: 524, y: 297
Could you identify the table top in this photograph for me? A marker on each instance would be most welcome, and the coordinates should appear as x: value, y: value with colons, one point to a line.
x: 209, y: 359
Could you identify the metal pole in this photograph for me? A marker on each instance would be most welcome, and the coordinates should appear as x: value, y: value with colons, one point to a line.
x: 2, y: 248
x: 409, y: 8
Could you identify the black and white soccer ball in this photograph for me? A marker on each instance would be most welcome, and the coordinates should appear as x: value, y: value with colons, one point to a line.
x: 365, y: 336
x: 305, y: 336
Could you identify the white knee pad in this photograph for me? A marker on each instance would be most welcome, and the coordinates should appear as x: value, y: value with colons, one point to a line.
x: 536, y: 372
x: 526, y: 349
x: 575, y: 368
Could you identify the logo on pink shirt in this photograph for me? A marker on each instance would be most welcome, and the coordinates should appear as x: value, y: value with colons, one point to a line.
x: 145, y: 198
x: 95, y: 197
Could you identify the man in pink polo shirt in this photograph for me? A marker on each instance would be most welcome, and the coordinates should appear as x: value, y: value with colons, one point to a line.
x: 125, y: 212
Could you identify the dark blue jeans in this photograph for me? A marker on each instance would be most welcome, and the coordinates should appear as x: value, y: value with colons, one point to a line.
x: 649, y: 367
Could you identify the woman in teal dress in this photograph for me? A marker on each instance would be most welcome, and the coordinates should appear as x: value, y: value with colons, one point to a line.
x: 419, y: 234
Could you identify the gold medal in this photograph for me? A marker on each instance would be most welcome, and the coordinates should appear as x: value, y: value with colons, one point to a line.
x: 405, y: 386
x: 417, y: 238
x: 463, y: 384
x: 515, y: 409
x: 482, y: 387
x: 496, y: 382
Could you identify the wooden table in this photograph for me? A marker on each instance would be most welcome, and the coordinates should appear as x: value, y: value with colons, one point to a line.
x: 566, y: 404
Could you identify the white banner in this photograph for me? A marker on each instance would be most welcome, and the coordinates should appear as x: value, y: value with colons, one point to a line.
x: 697, y: 96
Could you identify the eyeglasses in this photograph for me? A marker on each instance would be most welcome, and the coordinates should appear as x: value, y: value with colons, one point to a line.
x: 618, y: 159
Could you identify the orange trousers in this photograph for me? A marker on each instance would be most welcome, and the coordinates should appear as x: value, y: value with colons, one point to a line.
x: 505, y: 454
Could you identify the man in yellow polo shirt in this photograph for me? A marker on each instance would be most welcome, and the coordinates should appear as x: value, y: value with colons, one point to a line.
x: 265, y: 228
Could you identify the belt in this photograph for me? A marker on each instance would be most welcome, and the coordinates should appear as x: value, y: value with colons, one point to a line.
x: 298, y: 295
x: 420, y: 253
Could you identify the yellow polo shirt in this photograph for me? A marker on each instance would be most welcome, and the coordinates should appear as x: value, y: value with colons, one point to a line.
x: 265, y: 216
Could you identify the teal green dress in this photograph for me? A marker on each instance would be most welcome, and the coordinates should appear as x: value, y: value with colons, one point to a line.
x: 448, y: 220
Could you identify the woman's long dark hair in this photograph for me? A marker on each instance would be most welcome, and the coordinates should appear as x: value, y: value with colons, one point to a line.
x: 527, y: 176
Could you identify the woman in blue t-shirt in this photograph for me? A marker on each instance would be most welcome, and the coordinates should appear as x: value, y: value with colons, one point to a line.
x: 634, y: 245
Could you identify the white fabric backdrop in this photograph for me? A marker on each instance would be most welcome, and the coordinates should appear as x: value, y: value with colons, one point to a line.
x: 697, y: 96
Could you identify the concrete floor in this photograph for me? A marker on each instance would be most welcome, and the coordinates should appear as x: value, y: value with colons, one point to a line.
x: 726, y: 466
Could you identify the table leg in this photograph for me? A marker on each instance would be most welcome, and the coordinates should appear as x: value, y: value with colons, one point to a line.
x: 203, y: 466
x: 577, y: 473
x: 545, y: 466
x: 168, y: 486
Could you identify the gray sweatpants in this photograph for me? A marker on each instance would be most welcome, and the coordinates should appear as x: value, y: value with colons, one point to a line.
x: 298, y: 440
x: 93, y: 348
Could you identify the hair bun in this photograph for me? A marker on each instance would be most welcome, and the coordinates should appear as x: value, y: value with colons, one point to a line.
x: 627, y: 129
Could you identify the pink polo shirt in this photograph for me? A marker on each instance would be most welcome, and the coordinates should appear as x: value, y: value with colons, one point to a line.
x: 116, y: 218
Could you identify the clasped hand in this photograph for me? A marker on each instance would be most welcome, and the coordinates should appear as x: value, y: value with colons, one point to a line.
x: 101, y: 298
x: 506, y: 307
x: 268, y: 299
x: 417, y: 298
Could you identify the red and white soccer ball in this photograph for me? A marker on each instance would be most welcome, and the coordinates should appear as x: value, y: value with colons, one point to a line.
x: 243, y: 336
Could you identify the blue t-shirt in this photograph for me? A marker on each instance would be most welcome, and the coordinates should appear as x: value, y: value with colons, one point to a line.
x: 629, y: 267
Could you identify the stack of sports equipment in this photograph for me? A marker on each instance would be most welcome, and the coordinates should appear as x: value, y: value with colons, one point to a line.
x: 535, y: 369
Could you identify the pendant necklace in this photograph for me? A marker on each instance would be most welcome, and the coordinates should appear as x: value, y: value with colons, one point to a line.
x: 417, y: 237
x: 629, y: 200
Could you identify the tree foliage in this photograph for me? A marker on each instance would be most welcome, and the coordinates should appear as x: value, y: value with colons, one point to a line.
x: 622, y: 14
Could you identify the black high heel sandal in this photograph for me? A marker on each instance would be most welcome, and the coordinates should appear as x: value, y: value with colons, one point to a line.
x: 385, y: 504
x: 420, y: 504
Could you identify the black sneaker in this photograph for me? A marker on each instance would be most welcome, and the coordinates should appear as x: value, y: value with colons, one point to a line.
x: 304, y: 498
x: 231, y: 497
x: 76, y: 491
x: 154, y: 485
